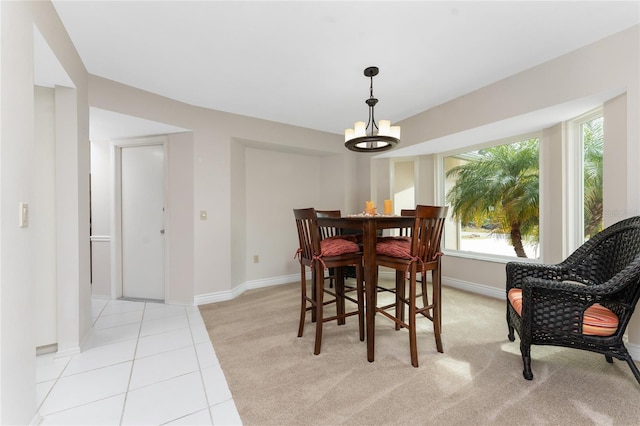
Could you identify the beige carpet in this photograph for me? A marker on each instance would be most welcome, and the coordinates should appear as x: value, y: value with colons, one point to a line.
x: 276, y: 380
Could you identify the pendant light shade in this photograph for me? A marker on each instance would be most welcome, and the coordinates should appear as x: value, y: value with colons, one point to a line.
x: 381, y: 137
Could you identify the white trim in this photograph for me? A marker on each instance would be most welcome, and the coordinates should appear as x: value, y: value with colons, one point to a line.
x: 574, y: 146
x: 100, y: 238
x: 485, y: 290
x: 268, y: 282
x: 222, y: 296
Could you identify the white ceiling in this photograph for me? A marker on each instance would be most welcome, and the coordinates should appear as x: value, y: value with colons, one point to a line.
x: 302, y: 63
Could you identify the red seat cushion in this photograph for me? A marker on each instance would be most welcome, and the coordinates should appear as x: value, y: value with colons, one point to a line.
x: 395, y: 247
x: 597, y: 320
x: 336, y: 246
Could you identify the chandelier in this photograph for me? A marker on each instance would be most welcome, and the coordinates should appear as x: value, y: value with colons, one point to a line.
x: 381, y: 136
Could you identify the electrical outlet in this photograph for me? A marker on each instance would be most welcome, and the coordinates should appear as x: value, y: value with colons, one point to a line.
x: 256, y: 258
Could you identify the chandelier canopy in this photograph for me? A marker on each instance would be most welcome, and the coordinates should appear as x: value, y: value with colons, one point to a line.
x: 381, y: 137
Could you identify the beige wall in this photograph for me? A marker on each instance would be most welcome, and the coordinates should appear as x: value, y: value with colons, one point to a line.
x: 18, y: 184
x: 221, y: 176
x: 181, y: 218
x: 276, y: 184
x: 44, y: 225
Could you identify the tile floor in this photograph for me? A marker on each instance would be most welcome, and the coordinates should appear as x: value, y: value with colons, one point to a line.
x: 143, y: 363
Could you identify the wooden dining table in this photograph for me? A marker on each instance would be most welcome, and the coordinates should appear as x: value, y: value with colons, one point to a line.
x: 370, y: 225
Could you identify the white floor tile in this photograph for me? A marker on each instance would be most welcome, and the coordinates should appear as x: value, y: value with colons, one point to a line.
x: 215, y: 385
x: 156, y: 311
x: 102, y: 356
x: 108, y: 321
x: 49, y: 367
x: 107, y: 336
x: 206, y: 355
x: 103, y: 412
x: 115, y: 307
x: 200, y: 333
x: 165, y: 401
x: 195, y: 319
x: 226, y: 414
x: 163, y: 342
x: 97, y: 305
x: 161, y: 325
x: 166, y: 365
x: 90, y: 386
x: 42, y: 389
x: 175, y: 377
x: 202, y: 417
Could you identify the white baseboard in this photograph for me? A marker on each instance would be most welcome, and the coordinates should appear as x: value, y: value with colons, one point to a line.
x: 485, y: 290
x: 268, y: 282
x: 221, y: 296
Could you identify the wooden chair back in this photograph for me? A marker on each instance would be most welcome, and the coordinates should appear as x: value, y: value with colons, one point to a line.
x: 427, y: 232
x: 328, y: 231
x: 308, y: 233
x: 406, y: 232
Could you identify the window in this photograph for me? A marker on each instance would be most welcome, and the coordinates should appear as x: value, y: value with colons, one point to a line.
x: 493, y: 195
x: 592, y: 144
x: 585, y: 149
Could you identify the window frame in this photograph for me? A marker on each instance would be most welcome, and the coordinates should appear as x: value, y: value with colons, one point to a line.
x: 440, y: 194
x: 574, y: 166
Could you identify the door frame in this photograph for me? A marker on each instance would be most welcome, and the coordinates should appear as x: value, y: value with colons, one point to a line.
x: 116, y: 209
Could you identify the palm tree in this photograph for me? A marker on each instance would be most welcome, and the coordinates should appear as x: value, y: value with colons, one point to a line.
x: 500, y: 184
x: 593, y: 148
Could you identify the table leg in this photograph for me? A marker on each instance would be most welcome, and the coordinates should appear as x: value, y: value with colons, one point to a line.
x: 370, y: 278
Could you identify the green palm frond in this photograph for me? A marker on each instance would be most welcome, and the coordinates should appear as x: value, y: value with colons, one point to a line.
x: 501, y: 184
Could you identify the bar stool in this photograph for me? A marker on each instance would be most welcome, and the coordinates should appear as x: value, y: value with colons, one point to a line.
x: 319, y: 254
x: 417, y: 254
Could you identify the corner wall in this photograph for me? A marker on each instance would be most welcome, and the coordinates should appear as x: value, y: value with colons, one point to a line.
x: 17, y: 263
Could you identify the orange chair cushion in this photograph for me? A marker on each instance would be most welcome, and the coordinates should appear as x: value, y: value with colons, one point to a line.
x: 337, y: 246
x: 597, y: 320
x: 395, y: 247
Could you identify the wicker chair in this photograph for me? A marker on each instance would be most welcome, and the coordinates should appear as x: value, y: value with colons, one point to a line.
x: 584, y: 302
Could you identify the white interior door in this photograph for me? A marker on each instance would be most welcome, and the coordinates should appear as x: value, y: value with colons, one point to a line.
x: 142, y: 188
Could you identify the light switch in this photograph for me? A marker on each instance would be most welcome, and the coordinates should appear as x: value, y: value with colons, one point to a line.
x: 203, y: 215
x: 24, y: 215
